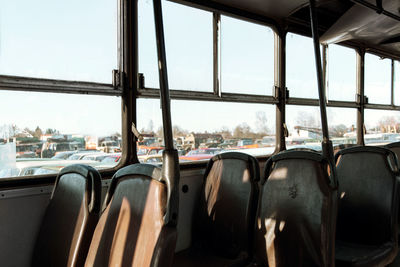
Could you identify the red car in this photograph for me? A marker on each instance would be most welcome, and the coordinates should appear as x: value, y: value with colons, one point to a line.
x: 200, y: 154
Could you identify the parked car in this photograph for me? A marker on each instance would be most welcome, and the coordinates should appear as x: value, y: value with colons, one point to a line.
x: 95, y: 156
x: 25, y: 167
x: 79, y: 155
x: 64, y: 154
x: 200, y: 154
x: 145, y: 152
x: 112, y: 158
x: 49, y: 149
x: 26, y: 150
x: 109, y: 147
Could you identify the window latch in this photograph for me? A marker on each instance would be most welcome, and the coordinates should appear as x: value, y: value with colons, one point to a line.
x: 135, y: 131
x: 117, y: 79
x: 285, y: 130
x: 141, y: 81
x: 276, y: 92
x: 358, y: 99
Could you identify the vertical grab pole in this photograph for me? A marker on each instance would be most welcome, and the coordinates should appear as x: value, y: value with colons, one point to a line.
x: 170, y: 169
x: 327, y: 148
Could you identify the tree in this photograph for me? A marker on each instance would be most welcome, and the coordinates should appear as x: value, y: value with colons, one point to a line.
x: 150, y: 127
x: 243, y: 130
x: 51, y: 131
x: 261, y: 120
x: 225, y: 132
x: 38, y: 132
x: 338, y: 130
x: 12, y: 130
x: 178, y: 131
x: 117, y: 134
x: 306, y: 119
x: 389, y: 124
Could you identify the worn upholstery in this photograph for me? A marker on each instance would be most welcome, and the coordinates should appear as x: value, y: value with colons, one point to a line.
x: 224, y: 223
x: 368, y: 204
x: 297, y: 211
x: 395, y: 147
x: 70, y: 218
x: 131, y: 230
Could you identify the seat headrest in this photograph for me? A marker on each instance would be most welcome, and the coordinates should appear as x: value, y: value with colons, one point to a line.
x: 142, y: 169
x: 301, y: 154
x: 93, y: 183
x: 252, y: 161
x: 390, y: 155
x: 391, y: 145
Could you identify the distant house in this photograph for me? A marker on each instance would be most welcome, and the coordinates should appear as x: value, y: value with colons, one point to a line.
x: 193, y: 140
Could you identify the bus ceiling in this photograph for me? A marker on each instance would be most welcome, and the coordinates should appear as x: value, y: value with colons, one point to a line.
x: 370, y: 24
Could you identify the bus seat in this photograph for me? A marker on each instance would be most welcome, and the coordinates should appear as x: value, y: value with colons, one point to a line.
x: 368, y: 204
x: 337, y: 148
x: 224, y: 223
x: 394, y: 147
x: 70, y: 218
x: 131, y: 229
x: 296, y: 217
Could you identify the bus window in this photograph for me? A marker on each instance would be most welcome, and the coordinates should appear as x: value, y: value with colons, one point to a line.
x: 189, y: 52
x: 67, y: 40
x: 200, y: 132
x: 377, y: 79
x: 247, y: 57
x: 304, y: 126
x: 342, y: 123
x: 341, y: 73
x: 46, y: 129
x: 382, y: 127
x: 301, y: 79
x: 397, y: 83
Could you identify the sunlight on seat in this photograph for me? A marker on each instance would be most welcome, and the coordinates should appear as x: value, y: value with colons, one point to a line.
x: 280, y: 173
x: 212, y: 189
x: 150, y: 226
x: 120, y: 234
x: 78, y: 231
x: 246, y: 176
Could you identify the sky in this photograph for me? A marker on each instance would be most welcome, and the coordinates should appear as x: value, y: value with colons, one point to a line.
x: 69, y: 42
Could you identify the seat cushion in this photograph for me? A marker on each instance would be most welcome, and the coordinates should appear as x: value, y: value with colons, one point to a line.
x: 296, y: 211
x: 131, y: 231
x: 225, y: 217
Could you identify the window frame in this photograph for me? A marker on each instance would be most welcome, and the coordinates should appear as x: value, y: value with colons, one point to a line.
x: 118, y: 87
x: 126, y: 83
x: 216, y: 94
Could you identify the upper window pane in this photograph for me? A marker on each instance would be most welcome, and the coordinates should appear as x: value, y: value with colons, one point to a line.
x: 301, y: 78
x: 67, y: 40
x: 189, y: 52
x: 247, y: 57
x: 341, y: 73
x: 40, y: 133
x: 377, y: 79
x: 249, y: 128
